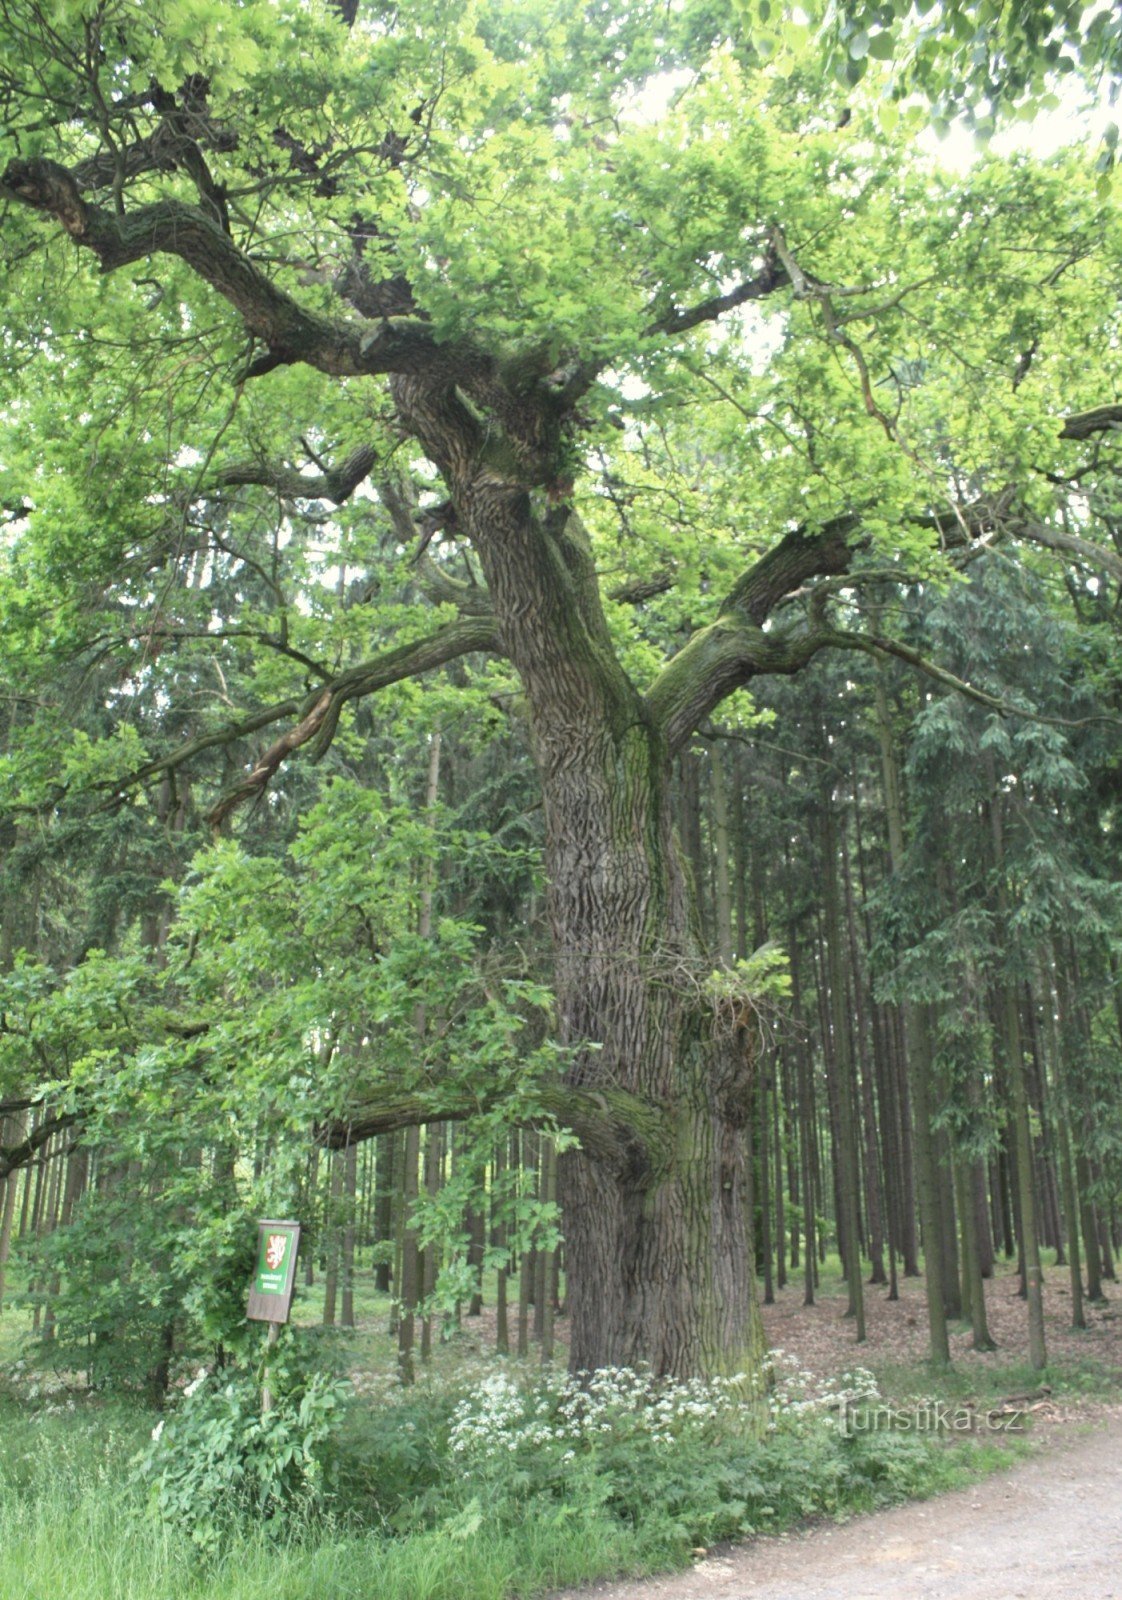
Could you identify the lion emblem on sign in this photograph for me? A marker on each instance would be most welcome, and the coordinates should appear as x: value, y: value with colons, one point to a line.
x: 274, y: 1250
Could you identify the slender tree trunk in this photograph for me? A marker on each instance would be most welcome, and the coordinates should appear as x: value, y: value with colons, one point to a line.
x: 430, y: 1260
x: 333, y: 1234
x: 42, y: 1318
x: 1033, y: 1278
x: 952, y: 1297
x: 1022, y: 1132
x: 806, y: 1120
x: 499, y: 1240
x: 909, y: 1180
x: 1045, y: 1165
x: 1090, y: 1228
x: 1071, y: 1211
x: 525, y: 1277
x: 477, y: 1246
x: 409, y: 1279
x: 1057, y: 1005
x: 919, y: 1071
x: 763, y: 1167
x: 412, y: 1266
x: 777, y: 1146
x: 28, y: 1186
x: 547, y: 1287
x: 384, y: 1180
x: 865, y: 1108
x: 311, y: 1194
x: 974, y: 1294
x: 347, y: 1259
x: 11, y: 1132
x: 846, y: 1071
x: 890, y: 1143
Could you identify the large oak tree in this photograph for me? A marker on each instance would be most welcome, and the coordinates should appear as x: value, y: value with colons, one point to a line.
x: 649, y: 352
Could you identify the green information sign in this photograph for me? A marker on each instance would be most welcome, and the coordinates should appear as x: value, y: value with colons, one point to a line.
x: 272, y: 1261
x: 274, y: 1276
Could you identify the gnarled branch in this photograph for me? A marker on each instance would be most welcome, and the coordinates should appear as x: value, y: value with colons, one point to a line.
x: 1084, y: 424
x: 874, y: 644
x: 625, y: 1133
x: 320, y: 714
x: 1090, y: 554
x: 336, y: 484
x: 736, y: 648
x: 291, y: 332
x: 769, y: 278
x: 718, y: 660
x: 18, y: 1155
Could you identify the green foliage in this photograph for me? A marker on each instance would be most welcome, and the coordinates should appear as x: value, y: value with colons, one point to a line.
x: 681, y: 1465
x: 218, y: 1462
x: 79, y: 1526
x: 758, y: 980
x: 294, y: 989
x: 978, y: 60
x: 406, y: 1513
x: 562, y: 197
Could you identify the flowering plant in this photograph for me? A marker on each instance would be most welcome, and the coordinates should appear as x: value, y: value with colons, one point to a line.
x: 575, y: 1414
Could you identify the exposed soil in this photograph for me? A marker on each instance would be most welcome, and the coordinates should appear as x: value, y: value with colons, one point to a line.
x: 1049, y: 1530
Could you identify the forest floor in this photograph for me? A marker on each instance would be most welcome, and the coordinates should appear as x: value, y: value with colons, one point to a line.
x: 1051, y: 1529
x: 820, y: 1338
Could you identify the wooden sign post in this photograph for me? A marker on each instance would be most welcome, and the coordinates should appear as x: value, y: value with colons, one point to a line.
x: 274, y: 1278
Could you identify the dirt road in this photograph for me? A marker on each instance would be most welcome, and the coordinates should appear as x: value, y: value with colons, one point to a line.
x: 1049, y: 1530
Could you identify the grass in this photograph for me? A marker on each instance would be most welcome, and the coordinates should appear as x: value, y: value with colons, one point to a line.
x: 986, y: 1386
x: 73, y: 1523
x: 74, y: 1520
x: 95, y: 1548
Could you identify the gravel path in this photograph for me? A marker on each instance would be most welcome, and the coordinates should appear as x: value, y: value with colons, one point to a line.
x: 1051, y: 1529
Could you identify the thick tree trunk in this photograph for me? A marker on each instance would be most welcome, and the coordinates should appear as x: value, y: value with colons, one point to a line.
x: 657, y: 1244
x: 655, y: 1225
x: 657, y: 1241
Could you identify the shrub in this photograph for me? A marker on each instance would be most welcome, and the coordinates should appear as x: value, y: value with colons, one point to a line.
x: 218, y: 1461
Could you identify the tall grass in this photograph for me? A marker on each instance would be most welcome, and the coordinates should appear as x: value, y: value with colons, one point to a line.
x: 73, y: 1526
x: 74, y: 1523
x: 55, y: 1548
